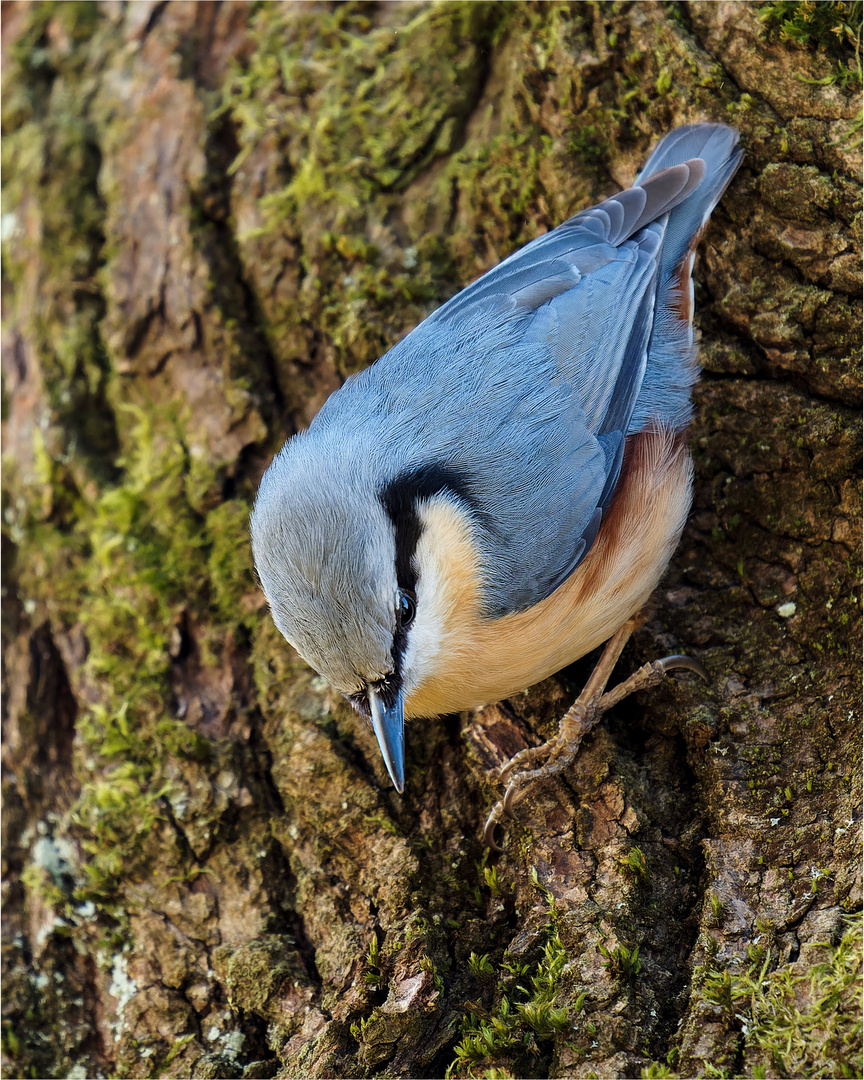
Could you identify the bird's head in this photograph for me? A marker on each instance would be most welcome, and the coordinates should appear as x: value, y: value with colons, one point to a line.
x: 340, y: 554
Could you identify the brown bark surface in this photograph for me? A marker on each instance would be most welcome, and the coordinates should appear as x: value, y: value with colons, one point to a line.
x: 213, y: 213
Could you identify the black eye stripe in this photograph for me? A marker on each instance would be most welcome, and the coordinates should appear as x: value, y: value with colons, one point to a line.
x: 400, y: 498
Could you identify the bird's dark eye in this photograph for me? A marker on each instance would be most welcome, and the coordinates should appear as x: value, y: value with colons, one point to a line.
x: 406, y: 609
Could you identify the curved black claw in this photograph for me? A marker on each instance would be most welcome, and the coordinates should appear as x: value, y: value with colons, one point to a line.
x: 489, y: 834
x: 511, y: 796
x: 684, y: 663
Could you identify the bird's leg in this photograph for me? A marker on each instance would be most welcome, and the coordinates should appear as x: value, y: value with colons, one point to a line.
x: 561, y: 750
x: 573, y: 718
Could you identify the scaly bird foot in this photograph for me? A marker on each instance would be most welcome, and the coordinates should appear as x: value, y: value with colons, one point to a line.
x: 560, y: 752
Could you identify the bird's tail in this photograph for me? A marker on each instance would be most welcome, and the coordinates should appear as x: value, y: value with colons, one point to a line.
x: 671, y: 368
x: 717, y: 146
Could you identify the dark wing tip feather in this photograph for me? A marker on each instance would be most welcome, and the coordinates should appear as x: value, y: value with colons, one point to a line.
x: 669, y: 188
x: 642, y: 204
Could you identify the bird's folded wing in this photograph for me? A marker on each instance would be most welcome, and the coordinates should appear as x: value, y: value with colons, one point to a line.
x: 533, y: 372
x: 528, y: 404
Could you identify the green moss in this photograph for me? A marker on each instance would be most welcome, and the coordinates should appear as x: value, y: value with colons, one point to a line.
x: 621, y: 961
x: 801, y: 1019
x: 493, y: 879
x: 51, y: 161
x: 41, y: 883
x: 527, y: 1010
x: 636, y: 865
x: 129, y: 567
x: 664, y: 82
x: 833, y: 27
x: 257, y: 974
x: 373, y: 95
x: 107, y: 541
x: 807, y: 1022
x: 229, y: 563
x: 372, y: 975
x: 657, y: 1070
x: 481, y: 966
x: 382, y: 107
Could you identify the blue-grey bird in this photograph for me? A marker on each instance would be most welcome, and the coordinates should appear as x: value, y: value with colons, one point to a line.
x: 502, y: 490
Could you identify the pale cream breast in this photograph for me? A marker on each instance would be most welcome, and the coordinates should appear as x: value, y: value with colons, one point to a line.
x: 458, y: 660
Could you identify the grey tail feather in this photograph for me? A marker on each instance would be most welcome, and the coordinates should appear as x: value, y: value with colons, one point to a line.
x: 713, y: 143
x: 672, y: 365
x: 717, y: 146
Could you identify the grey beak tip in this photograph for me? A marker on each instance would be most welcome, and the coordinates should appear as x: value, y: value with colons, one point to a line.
x: 388, y: 724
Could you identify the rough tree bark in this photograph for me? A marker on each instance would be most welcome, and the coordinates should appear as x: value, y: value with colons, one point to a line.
x: 213, y: 214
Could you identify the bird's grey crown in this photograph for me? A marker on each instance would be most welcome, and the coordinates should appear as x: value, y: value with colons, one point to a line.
x: 324, y: 551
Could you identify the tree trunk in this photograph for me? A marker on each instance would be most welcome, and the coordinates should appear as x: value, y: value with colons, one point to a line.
x: 213, y: 214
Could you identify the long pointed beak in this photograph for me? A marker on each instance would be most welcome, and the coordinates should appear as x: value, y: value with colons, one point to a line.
x: 389, y: 727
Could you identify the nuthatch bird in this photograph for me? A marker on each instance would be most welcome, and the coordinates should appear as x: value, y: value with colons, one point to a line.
x: 501, y: 492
